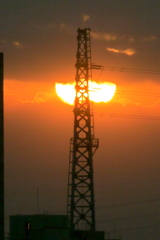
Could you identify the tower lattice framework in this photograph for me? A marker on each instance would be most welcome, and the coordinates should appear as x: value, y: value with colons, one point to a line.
x: 81, y: 205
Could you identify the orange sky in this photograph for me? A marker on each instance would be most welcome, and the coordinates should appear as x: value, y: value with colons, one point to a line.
x: 144, y: 93
x: 38, y: 125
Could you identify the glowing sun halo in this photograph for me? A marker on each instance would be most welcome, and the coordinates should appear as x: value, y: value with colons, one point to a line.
x: 99, y: 92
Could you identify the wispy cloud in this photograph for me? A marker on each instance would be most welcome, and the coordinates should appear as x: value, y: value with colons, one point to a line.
x: 44, y: 27
x: 62, y: 25
x: 131, y: 39
x: 51, y: 26
x: 128, y: 51
x: 125, y: 101
x: 113, y: 50
x: 43, y: 97
x: 150, y: 38
x: 85, y: 17
x: 104, y: 36
x: 2, y: 41
x: 17, y: 44
x: 40, y: 97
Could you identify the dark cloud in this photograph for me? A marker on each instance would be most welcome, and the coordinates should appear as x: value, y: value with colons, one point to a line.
x: 48, y: 31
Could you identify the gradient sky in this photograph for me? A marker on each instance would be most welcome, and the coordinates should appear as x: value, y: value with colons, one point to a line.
x: 38, y: 39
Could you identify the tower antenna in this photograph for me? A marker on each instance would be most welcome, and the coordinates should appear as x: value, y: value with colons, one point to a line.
x: 81, y: 204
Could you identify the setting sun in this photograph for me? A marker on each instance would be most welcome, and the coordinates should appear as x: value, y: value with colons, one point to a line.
x: 99, y: 92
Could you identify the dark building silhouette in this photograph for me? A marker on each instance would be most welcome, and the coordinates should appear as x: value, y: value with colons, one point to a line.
x: 39, y: 227
x: 1, y: 151
x: 47, y: 227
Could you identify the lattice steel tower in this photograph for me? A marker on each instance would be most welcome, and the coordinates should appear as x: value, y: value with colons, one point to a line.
x: 81, y: 206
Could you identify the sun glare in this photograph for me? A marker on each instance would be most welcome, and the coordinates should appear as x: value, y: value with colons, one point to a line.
x: 99, y: 92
